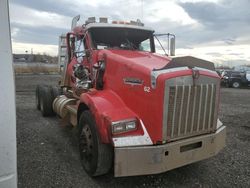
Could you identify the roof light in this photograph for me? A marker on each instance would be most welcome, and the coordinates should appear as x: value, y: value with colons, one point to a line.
x: 90, y: 20
x: 137, y: 22
x: 103, y: 20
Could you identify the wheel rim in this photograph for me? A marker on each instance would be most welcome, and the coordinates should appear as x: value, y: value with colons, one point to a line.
x: 86, y: 147
x: 236, y: 84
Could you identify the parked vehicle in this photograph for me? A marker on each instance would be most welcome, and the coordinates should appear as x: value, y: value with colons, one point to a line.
x: 136, y: 111
x: 235, y: 79
x: 248, y: 77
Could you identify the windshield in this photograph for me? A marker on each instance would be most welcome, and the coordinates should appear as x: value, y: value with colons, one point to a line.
x: 122, y: 38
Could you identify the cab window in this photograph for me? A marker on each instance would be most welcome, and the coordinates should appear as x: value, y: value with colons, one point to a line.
x: 79, y: 47
x: 145, y: 45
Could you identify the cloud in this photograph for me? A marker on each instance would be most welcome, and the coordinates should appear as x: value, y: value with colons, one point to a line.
x: 214, y: 54
x: 14, y: 31
x: 236, y: 62
x: 226, y: 19
x: 33, y: 18
x: 38, y: 35
x: 20, y: 48
x: 219, y: 54
x: 166, y: 10
x: 46, y: 6
x: 219, y: 15
x: 211, y: 29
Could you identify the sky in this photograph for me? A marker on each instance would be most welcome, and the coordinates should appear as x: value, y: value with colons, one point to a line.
x: 215, y: 30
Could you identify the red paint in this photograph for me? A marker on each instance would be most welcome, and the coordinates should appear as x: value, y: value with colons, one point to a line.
x: 119, y: 101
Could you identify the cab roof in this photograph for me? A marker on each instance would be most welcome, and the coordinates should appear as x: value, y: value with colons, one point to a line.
x: 110, y: 25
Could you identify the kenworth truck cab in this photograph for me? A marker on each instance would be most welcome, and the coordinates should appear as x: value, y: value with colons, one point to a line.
x: 135, y: 110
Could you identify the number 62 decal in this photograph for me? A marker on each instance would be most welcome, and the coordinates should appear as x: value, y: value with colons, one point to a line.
x: 147, y: 89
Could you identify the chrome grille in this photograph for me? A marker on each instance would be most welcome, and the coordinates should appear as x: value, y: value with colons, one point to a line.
x: 189, y: 110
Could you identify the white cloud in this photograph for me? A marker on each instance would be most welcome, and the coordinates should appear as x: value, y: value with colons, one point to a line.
x: 93, y: 3
x: 150, y: 11
x: 162, y: 15
x: 218, y: 54
x: 34, y: 18
x: 14, y: 31
x: 20, y: 48
x: 196, y: 1
x: 168, y: 10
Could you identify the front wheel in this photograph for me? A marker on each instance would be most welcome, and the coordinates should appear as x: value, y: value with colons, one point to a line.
x: 96, y: 158
x: 236, y: 84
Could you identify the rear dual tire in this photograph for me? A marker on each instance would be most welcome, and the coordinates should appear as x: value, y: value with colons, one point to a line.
x: 46, y: 101
x: 38, y: 96
x: 45, y: 96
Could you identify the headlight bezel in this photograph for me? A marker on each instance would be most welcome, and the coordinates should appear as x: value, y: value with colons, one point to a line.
x: 124, y: 126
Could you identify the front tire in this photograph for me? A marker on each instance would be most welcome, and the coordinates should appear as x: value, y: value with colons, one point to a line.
x: 236, y: 84
x: 96, y: 158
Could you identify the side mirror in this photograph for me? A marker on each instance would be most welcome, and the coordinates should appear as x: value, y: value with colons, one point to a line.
x: 170, y: 42
x: 172, y: 46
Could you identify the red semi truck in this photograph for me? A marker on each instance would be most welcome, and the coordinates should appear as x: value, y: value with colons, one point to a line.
x: 135, y: 110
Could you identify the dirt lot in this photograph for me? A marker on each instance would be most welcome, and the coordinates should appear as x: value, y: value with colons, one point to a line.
x: 48, y: 154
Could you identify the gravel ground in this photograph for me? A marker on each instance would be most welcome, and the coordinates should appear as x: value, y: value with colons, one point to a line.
x: 47, y: 150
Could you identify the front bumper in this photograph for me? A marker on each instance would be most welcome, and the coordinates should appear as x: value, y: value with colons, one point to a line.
x: 141, y: 160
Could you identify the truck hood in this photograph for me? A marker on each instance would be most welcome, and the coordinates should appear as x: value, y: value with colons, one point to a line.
x: 138, y: 58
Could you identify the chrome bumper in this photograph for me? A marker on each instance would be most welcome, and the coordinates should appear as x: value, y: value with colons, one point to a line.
x: 141, y: 160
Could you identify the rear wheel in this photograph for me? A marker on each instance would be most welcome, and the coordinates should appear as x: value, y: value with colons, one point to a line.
x: 55, y: 91
x: 46, y: 100
x: 236, y: 84
x: 96, y: 158
x: 38, y: 96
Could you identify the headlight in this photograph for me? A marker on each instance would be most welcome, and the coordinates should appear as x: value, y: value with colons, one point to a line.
x: 225, y: 77
x: 124, y: 126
